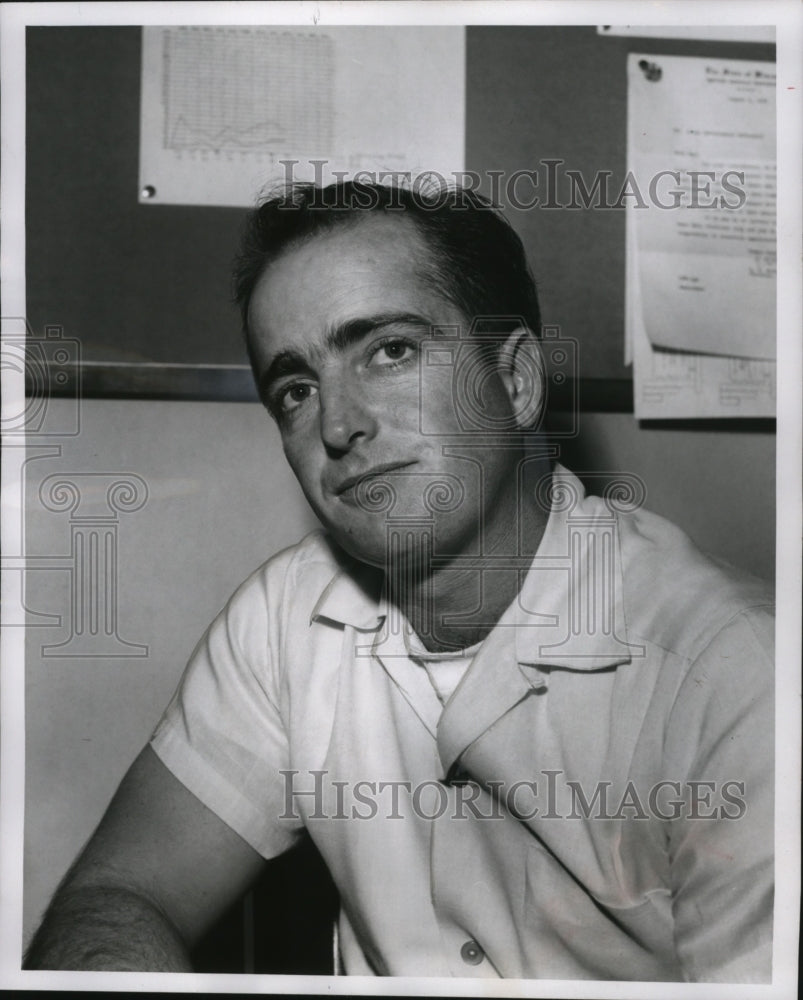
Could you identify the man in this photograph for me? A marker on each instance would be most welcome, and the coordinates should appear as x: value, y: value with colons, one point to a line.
x: 530, y: 734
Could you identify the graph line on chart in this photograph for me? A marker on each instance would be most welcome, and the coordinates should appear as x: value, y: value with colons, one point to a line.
x: 247, y: 89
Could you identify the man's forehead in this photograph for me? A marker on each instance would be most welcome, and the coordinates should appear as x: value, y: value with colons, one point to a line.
x: 367, y: 237
x: 379, y: 263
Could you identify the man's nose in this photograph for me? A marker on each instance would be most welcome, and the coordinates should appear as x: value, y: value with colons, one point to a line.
x: 346, y: 416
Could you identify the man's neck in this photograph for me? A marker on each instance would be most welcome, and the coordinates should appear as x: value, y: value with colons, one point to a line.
x: 457, y: 604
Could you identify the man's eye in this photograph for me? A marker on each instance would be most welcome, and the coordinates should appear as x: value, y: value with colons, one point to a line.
x: 392, y: 351
x: 294, y: 395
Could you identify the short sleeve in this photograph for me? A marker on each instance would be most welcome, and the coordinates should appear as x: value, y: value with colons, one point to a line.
x: 222, y: 734
x: 721, y: 851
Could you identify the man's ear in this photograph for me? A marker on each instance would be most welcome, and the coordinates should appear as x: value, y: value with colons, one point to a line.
x: 523, y: 373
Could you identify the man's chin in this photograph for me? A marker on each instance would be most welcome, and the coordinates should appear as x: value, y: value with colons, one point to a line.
x: 398, y: 547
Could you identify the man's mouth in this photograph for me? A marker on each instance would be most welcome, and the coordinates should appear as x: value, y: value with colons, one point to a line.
x: 348, y: 486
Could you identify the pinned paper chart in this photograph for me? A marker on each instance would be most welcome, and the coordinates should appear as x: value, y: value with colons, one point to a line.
x: 701, y: 244
x: 229, y: 111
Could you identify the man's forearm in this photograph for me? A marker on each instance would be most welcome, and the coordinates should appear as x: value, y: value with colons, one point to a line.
x: 113, y: 929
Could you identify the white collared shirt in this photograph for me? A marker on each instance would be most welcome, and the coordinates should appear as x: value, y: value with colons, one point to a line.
x: 527, y: 828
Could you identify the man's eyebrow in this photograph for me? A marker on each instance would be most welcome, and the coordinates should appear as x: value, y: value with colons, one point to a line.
x: 353, y: 330
x: 285, y: 363
x: 343, y: 335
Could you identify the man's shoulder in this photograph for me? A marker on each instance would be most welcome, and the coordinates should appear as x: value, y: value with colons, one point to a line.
x: 677, y: 596
x: 300, y: 571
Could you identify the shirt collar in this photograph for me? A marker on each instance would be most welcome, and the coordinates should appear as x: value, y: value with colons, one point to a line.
x: 569, y: 611
x: 351, y: 597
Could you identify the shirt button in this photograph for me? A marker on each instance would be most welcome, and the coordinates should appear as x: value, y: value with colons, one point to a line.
x: 471, y: 953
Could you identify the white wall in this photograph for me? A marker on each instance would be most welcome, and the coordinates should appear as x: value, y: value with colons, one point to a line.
x: 220, y: 500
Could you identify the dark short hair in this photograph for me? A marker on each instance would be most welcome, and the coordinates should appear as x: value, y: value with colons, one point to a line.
x: 477, y: 260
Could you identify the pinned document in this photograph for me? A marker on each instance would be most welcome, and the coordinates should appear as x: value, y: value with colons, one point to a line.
x: 701, y: 245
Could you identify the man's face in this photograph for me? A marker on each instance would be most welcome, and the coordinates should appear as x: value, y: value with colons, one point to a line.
x: 337, y: 327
